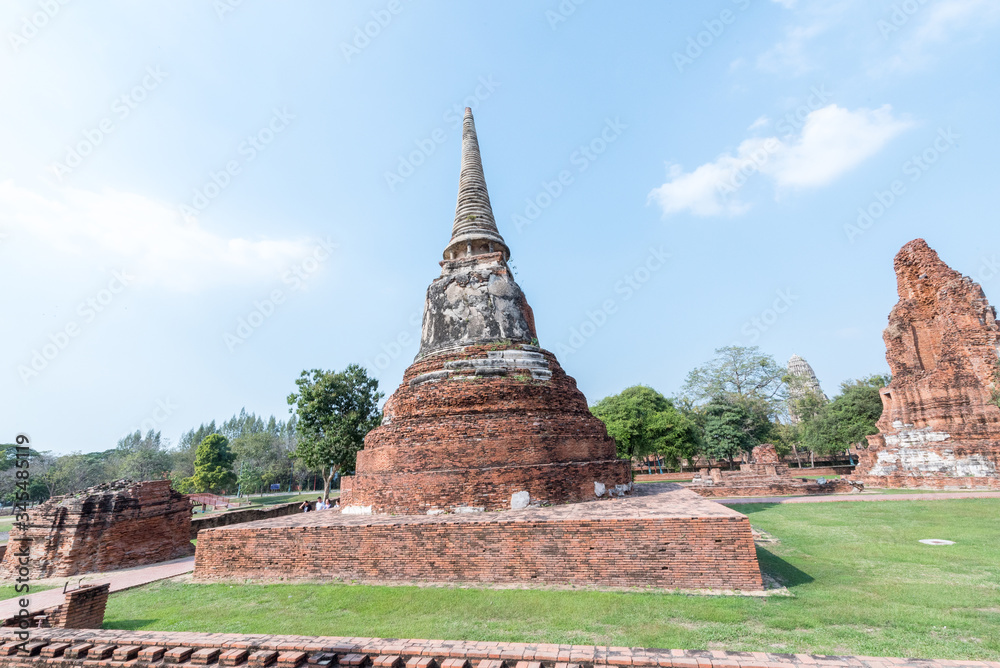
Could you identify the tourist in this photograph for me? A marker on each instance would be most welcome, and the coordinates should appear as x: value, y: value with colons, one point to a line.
x: 319, y: 503
x: 305, y: 507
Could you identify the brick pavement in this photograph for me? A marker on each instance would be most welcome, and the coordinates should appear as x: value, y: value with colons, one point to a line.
x: 119, y: 580
x: 55, y: 648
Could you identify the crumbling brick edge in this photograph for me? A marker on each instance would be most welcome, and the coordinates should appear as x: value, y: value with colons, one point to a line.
x: 125, y: 648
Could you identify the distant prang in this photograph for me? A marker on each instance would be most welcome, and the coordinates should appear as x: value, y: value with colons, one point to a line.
x: 808, y: 383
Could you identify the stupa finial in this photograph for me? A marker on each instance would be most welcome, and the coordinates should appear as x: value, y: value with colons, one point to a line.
x: 475, y: 229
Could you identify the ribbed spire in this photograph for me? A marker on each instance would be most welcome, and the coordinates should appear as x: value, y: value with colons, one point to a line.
x: 475, y: 230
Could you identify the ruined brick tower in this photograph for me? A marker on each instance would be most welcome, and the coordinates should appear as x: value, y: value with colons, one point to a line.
x: 484, y: 419
x: 940, y: 424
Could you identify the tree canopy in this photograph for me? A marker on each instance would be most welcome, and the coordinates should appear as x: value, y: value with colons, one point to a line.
x: 334, y: 411
x: 845, y: 420
x: 213, y: 466
x: 642, y: 421
x: 738, y: 375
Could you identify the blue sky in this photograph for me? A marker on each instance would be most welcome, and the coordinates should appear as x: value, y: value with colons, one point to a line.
x: 200, y: 199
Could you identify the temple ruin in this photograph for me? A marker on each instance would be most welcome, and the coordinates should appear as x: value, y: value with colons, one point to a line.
x: 940, y: 424
x: 108, y: 527
x: 803, y: 383
x: 486, y: 420
x: 764, y: 475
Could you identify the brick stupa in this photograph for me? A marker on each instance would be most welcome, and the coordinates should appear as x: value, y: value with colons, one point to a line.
x: 485, y: 421
x: 940, y: 424
x: 484, y: 418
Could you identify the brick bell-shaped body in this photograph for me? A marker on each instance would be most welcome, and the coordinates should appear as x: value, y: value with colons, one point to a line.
x: 484, y: 418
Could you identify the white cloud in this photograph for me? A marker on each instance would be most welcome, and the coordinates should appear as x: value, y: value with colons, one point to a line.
x: 790, y: 53
x: 832, y: 141
x: 113, y: 228
x: 932, y: 26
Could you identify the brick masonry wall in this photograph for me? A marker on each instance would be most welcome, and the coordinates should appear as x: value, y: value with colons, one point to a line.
x: 106, y: 528
x: 83, y: 608
x: 240, y: 516
x: 65, y: 649
x: 663, y: 539
x: 940, y: 424
x: 772, y: 489
x: 464, y: 439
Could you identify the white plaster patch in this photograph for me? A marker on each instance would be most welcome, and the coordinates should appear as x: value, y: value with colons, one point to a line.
x: 356, y: 510
x: 519, y: 500
x: 470, y: 509
x: 918, y: 461
x: 599, y: 488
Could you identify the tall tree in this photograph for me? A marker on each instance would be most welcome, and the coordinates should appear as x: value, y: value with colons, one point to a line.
x: 847, y: 419
x: 738, y: 375
x: 139, y: 457
x: 642, y: 421
x: 187, y: 450
x: 213, y: 466
x: 732, y: 428
x: 335, y: 410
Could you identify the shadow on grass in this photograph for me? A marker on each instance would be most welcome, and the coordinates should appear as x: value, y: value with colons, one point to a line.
x: 129, y: 624
x: 780, y: 570
x: 751, y: 508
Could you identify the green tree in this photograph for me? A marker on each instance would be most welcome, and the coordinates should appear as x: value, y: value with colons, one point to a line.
x: 847, y: 419
x: 213, y: 466
x: 187, y: 450
x: 733, y: 427
x: 335, y: 410
x: 642, y: 421
x: 139, y: 457
x: 739, y: 375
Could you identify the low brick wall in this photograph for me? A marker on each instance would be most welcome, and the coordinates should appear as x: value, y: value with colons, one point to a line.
x: 241, y: 516
x: 82, y: 608
x: 53, y: 648
x: 822, y: 470
x: 776, y: 489
x: 664, y: 537
x: 662, y: 477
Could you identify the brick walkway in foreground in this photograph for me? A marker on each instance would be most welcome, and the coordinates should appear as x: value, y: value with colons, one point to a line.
x: 124, y: 579
x: 50, y: 647
x: 930, y: 496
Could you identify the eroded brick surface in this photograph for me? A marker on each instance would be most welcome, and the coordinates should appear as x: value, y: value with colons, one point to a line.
x: 109, y: 527
x: 765, y: 475
x: 284, y: 650
x: 662, y: 536
x: 940, y: 425
x: 467, y: 440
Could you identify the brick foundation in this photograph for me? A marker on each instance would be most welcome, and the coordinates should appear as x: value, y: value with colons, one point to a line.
x: 241, y: 516
x: 109, y: 527
x: 765, y: 475
x: 663, y: 536
x: 471, y: 426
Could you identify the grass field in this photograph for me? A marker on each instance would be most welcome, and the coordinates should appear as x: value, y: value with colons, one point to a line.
x: 8, y: 591
x: 861, y: 583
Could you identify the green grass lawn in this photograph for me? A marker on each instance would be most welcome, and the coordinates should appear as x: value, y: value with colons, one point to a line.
x: 861, y: 584
x: 8, y: 591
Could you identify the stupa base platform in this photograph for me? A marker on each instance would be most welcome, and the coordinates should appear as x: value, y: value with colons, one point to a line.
x: 663, y: 536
